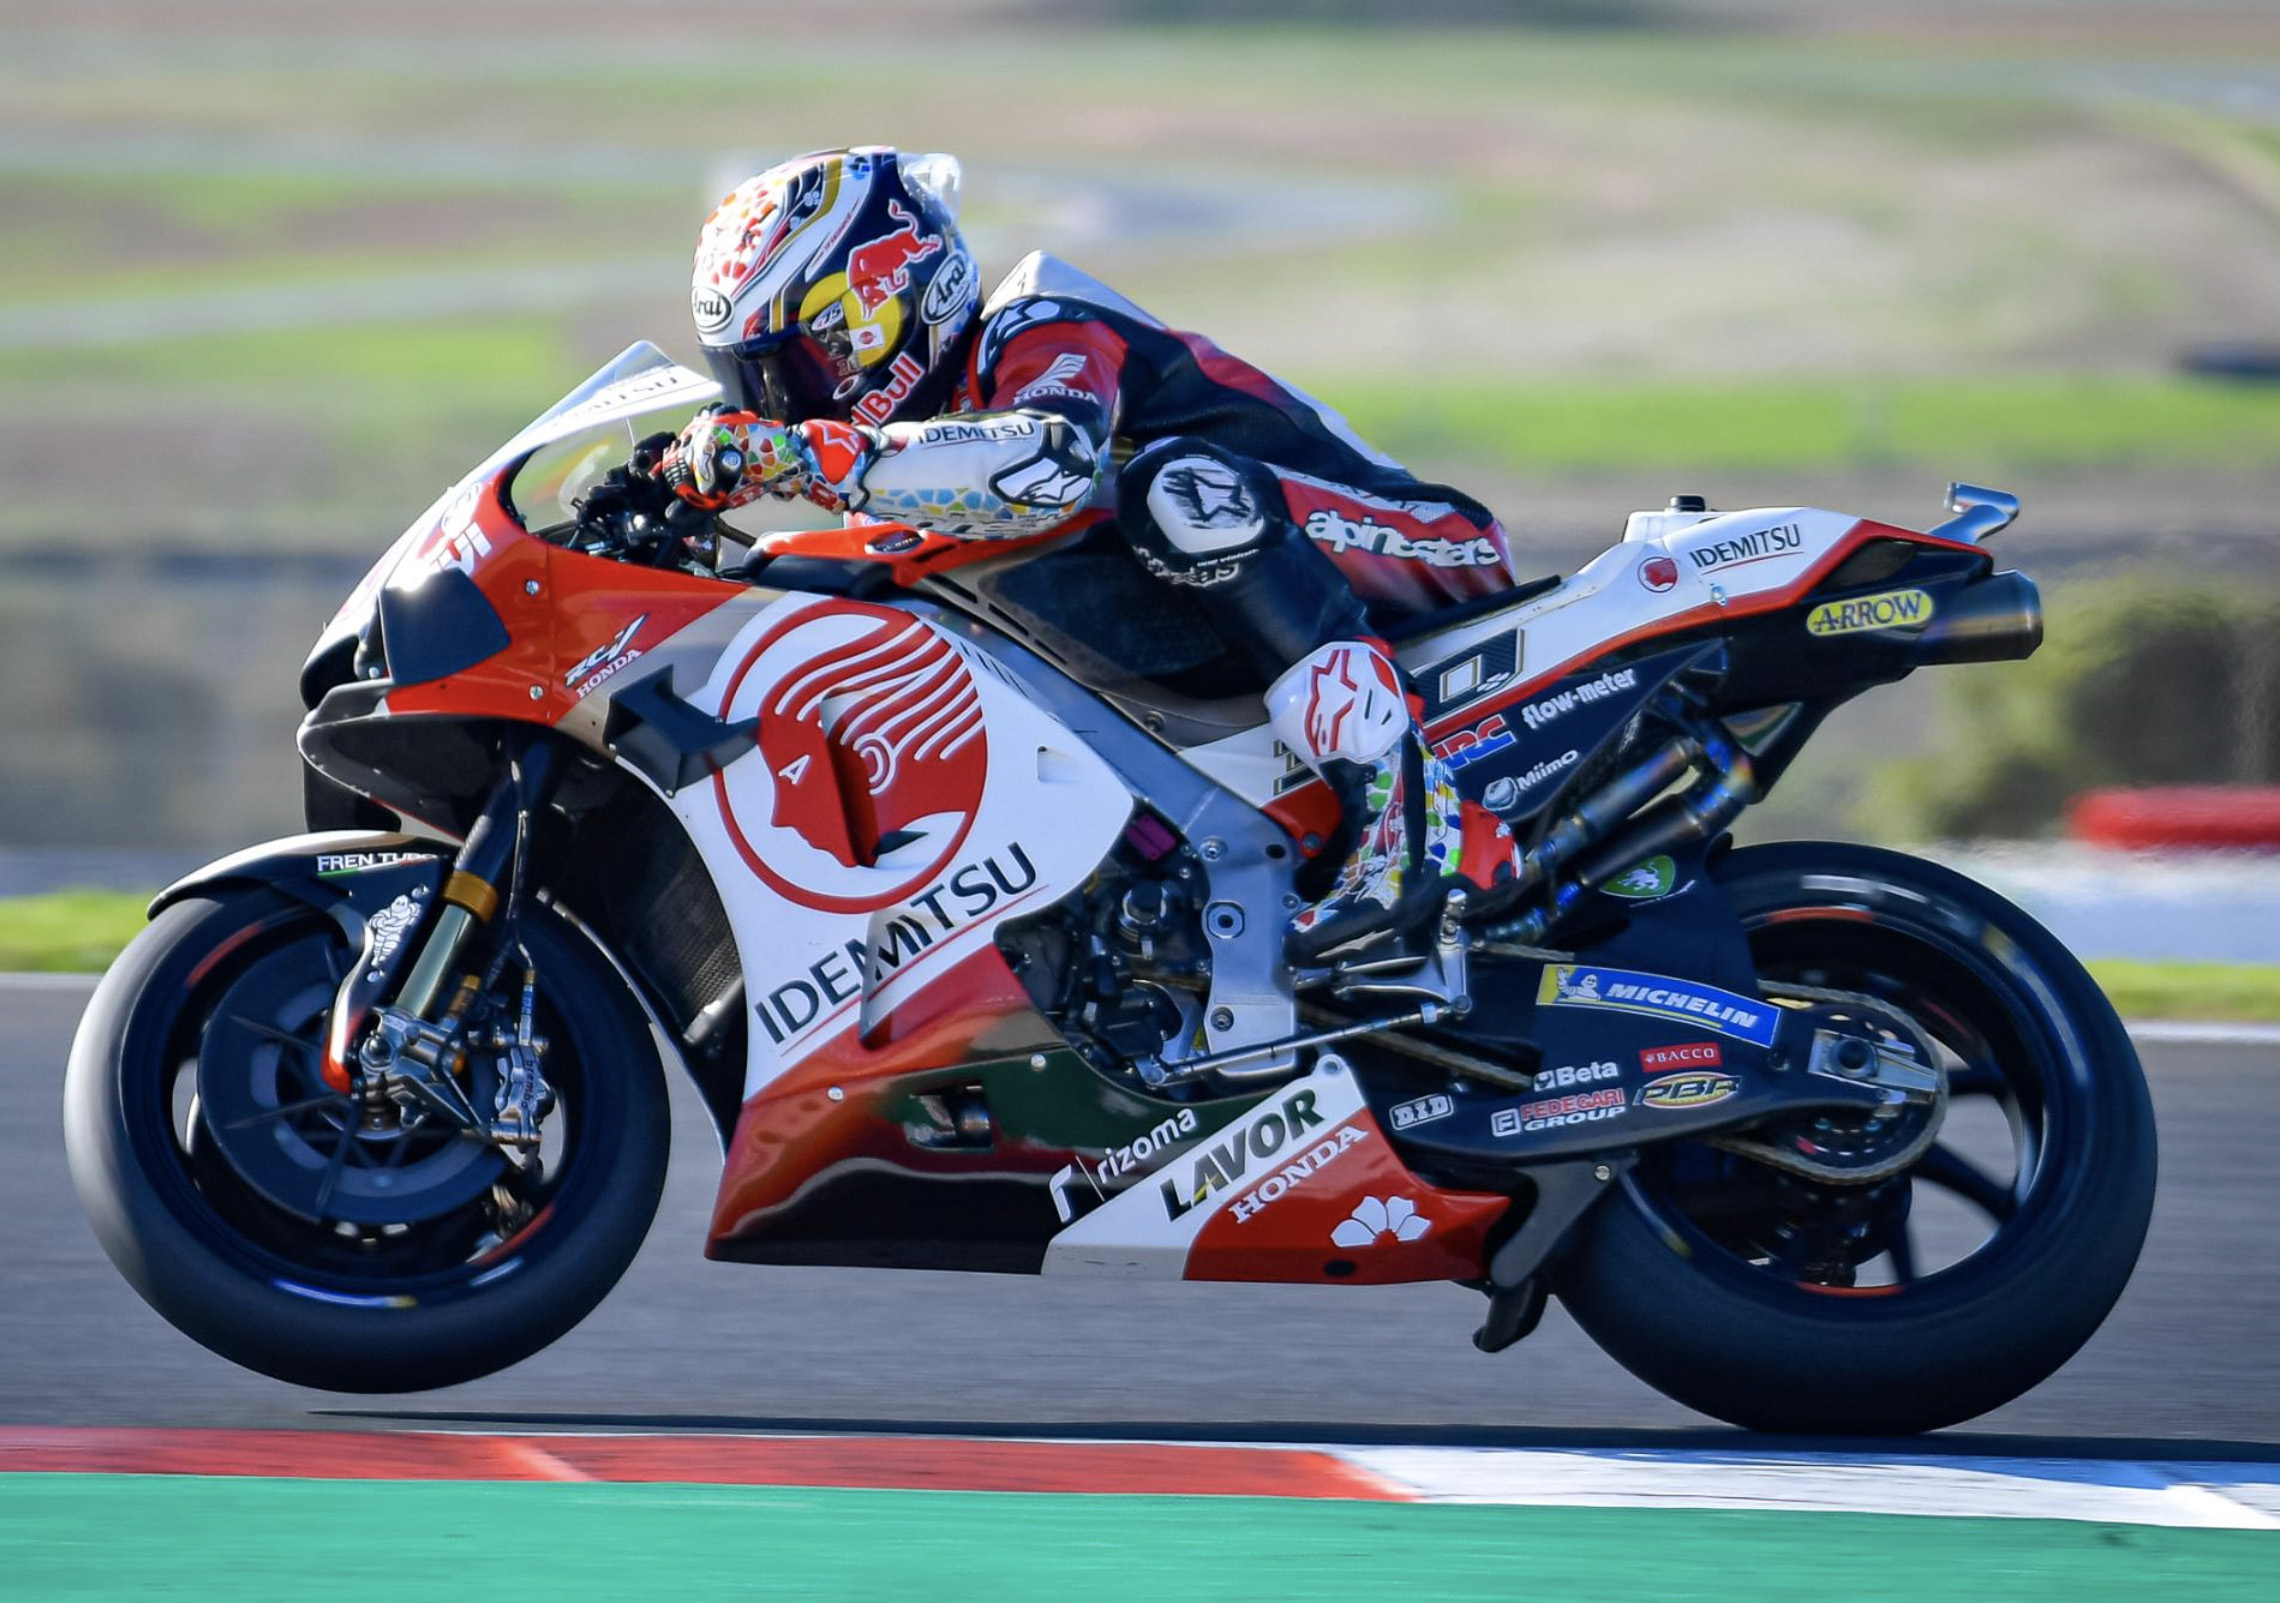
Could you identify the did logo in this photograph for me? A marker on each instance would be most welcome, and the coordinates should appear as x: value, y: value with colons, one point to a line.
x: 872, y: 757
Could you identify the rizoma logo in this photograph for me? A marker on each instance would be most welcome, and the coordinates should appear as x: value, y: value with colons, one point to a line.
x: 1894, y: 609
x: 1136, y: 1153
x: 1219, y: 1166
x: 1695, y: 1090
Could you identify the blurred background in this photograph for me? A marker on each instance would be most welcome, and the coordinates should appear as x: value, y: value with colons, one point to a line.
x: 273, y: 272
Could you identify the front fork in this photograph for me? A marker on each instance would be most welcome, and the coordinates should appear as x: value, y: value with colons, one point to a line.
x: 409, y: 1034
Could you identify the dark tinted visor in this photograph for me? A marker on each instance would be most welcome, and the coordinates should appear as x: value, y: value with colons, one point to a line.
x: 786, y: 380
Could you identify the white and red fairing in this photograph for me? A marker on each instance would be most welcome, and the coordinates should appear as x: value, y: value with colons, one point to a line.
x: 899, y: 798
x: 1672, y: 572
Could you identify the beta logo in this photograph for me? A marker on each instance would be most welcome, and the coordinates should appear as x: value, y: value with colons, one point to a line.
x: 1691, y: 1090
x: 1894, y: 609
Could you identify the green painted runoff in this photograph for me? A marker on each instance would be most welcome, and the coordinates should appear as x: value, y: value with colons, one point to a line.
x: 245, y: 1540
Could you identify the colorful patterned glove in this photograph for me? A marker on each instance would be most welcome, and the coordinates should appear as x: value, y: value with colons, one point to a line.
x: 725, y: 459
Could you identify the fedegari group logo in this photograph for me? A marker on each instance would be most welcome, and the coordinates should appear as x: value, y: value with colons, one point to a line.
x: 1894, y: 609
x: 1656, y: 996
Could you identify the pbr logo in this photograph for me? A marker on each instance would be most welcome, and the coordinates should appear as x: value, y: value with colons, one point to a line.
x: 1699, y: 1089
x: 871, y: 762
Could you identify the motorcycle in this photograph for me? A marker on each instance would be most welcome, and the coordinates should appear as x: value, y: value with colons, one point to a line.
x: 956, y: 878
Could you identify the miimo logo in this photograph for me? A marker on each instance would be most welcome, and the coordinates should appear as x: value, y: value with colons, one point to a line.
x: 1894, y: 609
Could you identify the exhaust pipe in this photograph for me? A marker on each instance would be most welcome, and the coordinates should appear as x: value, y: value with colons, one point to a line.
x: 1998, y: 619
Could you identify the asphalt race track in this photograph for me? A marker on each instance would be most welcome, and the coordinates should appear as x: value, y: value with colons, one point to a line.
x: 2184, y: 1368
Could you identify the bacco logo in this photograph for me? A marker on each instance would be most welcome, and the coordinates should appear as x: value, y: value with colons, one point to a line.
x: 1374, y: 1219
x: 872, y: 757
x: 1686, y: 1055
x: 1691, y: 1090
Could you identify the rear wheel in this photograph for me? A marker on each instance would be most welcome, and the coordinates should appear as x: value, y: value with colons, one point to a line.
x: 1785, y: 1302
x: 332, y: 1242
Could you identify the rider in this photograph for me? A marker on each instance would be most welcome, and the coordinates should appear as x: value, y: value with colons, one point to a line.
x: 841, y: 310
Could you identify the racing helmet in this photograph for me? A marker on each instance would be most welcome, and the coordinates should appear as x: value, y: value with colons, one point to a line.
x: 836, y: 285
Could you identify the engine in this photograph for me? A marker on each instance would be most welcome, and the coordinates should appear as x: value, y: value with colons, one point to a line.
x: 1122, y: 967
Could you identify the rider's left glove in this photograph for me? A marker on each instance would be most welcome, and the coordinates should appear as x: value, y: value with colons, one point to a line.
x: 724, y: 459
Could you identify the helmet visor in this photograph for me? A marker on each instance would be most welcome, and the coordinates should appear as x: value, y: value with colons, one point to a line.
x: 786, y: 380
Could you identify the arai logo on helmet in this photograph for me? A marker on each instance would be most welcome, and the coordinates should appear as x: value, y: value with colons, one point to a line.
x: 709, y: 307
x: 952, y: 288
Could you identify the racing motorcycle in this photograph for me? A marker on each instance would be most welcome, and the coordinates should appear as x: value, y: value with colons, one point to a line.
x: 956, y: 878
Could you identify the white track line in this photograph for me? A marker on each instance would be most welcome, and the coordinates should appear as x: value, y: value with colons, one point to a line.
x: 2118, y: 1492
x: 2194, y: 1032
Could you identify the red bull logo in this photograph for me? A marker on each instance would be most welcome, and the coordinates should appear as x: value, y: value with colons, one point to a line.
x: 873, y: 745
x: 880, y: 270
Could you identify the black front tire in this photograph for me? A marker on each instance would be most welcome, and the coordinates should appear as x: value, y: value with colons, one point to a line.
x: 199, y: 1251
x: 1725, y: 1336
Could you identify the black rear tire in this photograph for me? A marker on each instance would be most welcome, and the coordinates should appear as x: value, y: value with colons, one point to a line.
x: 438, y: 1303
x: 1732, y: 1338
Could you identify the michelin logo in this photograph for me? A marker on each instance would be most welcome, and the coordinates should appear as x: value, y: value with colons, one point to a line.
x: 1656, y: 996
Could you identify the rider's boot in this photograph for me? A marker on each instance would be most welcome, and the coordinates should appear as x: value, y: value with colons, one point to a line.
x: 1343, y: 711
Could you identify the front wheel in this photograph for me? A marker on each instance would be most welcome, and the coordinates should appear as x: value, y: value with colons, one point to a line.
x: 1782, y: 1302
x: 339, y: 1242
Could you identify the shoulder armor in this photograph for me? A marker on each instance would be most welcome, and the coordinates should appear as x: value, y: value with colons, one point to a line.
x: 1038, y: 274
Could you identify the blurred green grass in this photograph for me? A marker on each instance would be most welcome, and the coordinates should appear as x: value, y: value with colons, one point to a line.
x: 1952, y: 425
x: 81, y: 931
